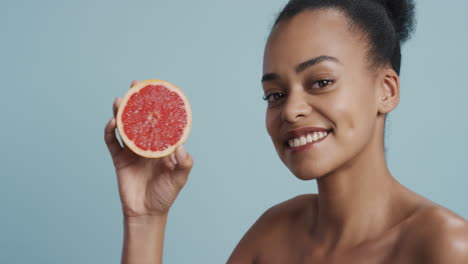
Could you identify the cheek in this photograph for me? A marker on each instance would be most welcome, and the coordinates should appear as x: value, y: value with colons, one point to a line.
x: 273, y: 126
x: 355, y: 112
x: 271, y: 122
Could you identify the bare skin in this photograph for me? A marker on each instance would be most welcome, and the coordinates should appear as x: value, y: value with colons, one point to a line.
x: 361, y: 213
x: 147, y: 188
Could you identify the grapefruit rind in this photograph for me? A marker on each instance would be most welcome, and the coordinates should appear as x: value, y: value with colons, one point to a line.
x: 129, y: 143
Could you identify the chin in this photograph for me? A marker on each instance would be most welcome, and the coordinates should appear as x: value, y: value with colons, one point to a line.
x: 307, y: 172
x: 307, y: 167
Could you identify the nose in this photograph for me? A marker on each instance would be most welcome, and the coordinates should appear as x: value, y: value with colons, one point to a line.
x: 295, y: 107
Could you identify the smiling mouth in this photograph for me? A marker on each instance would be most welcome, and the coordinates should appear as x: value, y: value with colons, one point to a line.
x: 307, y: 139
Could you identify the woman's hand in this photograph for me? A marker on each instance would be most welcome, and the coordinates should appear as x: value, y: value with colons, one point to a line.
x: 147, y: 186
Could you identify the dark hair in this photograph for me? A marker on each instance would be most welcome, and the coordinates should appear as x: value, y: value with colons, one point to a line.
x: 386, y: 23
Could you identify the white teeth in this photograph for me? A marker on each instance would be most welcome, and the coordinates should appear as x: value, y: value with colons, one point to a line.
x: 315, y: 136
x: 309, y: 138
x: 303, y: 140
x: 297, y: 142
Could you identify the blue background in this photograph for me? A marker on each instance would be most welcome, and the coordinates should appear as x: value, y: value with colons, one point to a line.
x: 64, y: 62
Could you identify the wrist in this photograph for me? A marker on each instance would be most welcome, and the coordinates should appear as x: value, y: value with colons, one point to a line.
x: 143, y: 238
x: 146, y: 220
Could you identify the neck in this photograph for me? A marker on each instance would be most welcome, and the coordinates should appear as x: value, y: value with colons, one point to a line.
x: 357, y: 202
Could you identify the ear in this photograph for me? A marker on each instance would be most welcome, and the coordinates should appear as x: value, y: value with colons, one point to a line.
x: 389, y: 91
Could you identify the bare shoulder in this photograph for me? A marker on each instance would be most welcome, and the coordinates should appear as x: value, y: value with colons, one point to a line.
x: 438, y: 235
x: 273, y: 224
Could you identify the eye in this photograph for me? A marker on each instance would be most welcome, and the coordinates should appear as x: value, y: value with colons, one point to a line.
x: 321, y: 84
x: 273, y: 97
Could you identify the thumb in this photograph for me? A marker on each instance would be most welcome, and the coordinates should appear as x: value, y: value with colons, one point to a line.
x: 184, y: 164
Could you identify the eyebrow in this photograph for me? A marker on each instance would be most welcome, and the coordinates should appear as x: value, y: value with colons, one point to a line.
x: 301, y: 67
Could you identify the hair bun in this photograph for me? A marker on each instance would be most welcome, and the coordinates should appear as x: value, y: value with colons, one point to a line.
x: 401, y: 12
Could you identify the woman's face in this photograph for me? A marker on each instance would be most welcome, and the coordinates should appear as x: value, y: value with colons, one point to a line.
x: 322, y: 101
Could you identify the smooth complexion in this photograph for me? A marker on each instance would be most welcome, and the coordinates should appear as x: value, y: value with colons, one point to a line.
x: 317, y: 78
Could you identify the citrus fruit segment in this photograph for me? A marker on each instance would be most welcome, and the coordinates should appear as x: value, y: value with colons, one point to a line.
x: 154, y: 117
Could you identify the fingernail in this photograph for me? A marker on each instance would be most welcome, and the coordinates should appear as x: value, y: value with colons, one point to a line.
x: 174, y: 160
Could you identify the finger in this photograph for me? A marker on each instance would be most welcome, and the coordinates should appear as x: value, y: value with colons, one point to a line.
x: 111, y: 139
x: 134, y: 82
x: 167, y: 161
x: 173, y: 158
x: 115, y: 106
x: 183, y: 167
x: 183, y: 158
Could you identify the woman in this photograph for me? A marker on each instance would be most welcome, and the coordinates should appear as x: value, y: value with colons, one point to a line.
x: 331, y: 76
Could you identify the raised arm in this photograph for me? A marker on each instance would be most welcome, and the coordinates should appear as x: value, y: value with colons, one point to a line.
x: 147, y: 189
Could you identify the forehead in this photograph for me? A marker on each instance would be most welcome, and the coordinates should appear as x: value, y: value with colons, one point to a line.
x: 310, y: 34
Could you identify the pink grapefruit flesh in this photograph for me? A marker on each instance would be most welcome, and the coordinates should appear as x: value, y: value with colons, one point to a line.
x: 154, y: 118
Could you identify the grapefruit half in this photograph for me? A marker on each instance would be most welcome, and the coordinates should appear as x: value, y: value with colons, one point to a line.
x: 154, y: 118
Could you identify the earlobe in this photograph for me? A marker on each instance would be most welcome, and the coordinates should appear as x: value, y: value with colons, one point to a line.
x: 389, y: 95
